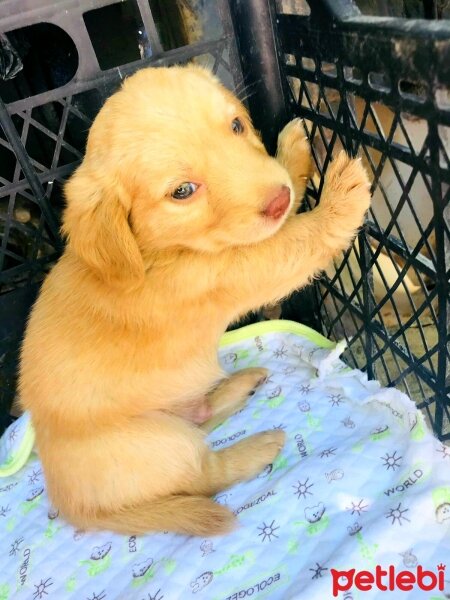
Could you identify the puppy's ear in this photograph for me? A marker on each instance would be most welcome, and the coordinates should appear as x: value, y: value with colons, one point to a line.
x: 96, y: 223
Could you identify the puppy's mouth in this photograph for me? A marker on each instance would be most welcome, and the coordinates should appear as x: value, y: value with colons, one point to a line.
x: 278, y: 204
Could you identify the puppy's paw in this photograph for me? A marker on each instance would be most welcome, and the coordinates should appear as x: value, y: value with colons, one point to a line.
x: 292, y: 138
x: 241, y: 384
x: 265, y: 447
x: 347, y: 186
x: 232, y: 395
x: 252, y: 378
x: 294, y: 151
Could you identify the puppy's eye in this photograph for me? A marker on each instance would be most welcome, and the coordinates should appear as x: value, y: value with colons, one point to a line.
x: 237, y: 126
x: 185, y: 190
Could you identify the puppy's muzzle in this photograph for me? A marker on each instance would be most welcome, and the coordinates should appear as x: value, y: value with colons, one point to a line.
x: 278, y: 205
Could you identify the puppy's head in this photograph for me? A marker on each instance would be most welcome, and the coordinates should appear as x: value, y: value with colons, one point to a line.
x: 172, y: 161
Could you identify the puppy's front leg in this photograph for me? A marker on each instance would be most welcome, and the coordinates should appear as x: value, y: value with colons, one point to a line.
x: 263, y: 273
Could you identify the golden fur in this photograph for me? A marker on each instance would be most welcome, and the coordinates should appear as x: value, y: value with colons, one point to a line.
x: 119, y: 364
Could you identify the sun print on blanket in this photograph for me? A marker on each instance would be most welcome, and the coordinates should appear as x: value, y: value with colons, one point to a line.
x: 267, y: 532
x: 13, y: 433
x: 301, y: 489
x: 318, y: 570
x: 34, y: 477
x: 281, y: 427
x: 306, y: 389
x: 328, y: 452
x: 336, y: 399
x: 16, y: 546
x: 397, y: 514
x: 280, y: 352
x: 391, y: 461
x: 41, y: 588
x: 445, y: 451
x: 358, y: 507
x: 100, y: 596
x: 156, y: 596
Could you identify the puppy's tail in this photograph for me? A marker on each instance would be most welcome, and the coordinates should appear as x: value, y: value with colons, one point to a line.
x: 191, y: 515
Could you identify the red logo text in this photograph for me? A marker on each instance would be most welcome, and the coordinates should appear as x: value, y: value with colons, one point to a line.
x: 388, y: 580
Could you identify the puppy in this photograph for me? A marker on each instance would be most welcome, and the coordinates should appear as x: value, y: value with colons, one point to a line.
x: 177, y: 223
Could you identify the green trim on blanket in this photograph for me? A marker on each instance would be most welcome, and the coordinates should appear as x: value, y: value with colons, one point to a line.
x: 20, y: 457
x: 275, y: 326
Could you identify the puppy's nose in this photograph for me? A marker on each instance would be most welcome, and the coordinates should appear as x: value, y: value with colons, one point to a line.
x: 278, y: 205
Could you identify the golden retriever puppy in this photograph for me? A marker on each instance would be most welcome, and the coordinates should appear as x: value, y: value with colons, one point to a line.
x: 177, y: 223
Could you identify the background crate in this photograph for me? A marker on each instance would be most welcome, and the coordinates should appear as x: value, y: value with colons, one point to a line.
x: 378, y: 87
x: 374, y: 86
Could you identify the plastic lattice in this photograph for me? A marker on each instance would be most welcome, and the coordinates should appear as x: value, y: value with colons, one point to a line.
x: 379, y: 88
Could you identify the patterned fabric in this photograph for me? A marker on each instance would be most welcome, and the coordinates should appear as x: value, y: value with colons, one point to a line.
x: 361, y: 482
x: 15, y: 448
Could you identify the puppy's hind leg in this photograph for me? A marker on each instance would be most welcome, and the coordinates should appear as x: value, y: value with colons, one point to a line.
x: 239, y: 462
x: 232, y: 394
x: 155, y: 474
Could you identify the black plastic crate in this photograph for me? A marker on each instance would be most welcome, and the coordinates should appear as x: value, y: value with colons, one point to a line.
x: 380, y: 88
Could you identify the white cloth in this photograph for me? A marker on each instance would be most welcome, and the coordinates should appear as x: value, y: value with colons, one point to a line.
x: 361, y: 482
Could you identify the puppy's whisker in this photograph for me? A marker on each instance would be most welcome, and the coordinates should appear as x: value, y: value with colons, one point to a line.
x: 249, y: 95
x: 245, y: 89
x: 239, y: 87
x: 243, y: 93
